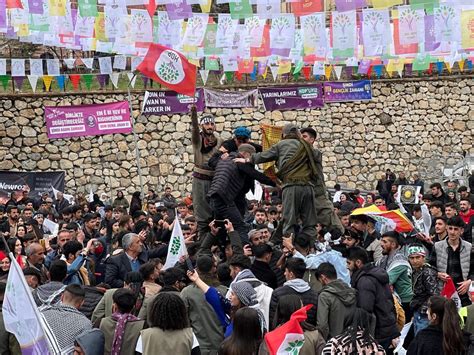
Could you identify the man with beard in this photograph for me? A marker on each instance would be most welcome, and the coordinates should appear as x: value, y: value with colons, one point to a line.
x: 9, y: 226
x: 205, y: 144
x: 398, y: 268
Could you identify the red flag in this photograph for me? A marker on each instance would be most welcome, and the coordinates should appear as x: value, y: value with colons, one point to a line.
x: 449, y: 291
x: 170, y: 69
x: 288, y: 338
x: 151, y: 8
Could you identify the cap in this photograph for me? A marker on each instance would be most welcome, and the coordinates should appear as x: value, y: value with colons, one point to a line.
x: 207, y: 118
x: 289, y: 128
x: 248, y: 148
x: 245, y: 293
x: 242, y: 131
x: 416, y: 250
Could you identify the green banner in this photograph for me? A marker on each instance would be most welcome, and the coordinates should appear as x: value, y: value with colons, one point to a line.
x: 210, y: 41
x: 211, y: 64
x: 88, y: 8
x: 241, y: 9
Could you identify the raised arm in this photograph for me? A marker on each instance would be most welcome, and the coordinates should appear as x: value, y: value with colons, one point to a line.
x: 195, y: 126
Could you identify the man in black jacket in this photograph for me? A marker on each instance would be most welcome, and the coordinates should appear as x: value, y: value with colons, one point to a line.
x: 232, y: 181
x: 373, y: 295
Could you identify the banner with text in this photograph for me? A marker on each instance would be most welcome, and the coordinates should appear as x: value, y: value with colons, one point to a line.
x: 170, y: 102
x: 34, y: 182
x: 87, y: 120
x: 347, y: 91
x: 220, y: 98
x: 292, y: 97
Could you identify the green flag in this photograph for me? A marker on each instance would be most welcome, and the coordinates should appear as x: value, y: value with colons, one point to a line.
x: 4, y: 80
x: 211, y: 64
x: 88, y: 8
x: 241, y: 9
x: 88, y: 80
x: 229, y: 75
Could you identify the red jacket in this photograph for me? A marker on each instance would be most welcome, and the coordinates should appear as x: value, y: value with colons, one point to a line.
x: 466, y: 217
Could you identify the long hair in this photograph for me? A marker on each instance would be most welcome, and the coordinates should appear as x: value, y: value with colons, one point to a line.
x: 134, y: 282
x: 448, y: 319
x: 286, y: 307
x: 246, y: 336
x: 361, y: 320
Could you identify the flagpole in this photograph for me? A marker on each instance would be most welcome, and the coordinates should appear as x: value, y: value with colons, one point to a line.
x: 135, y: 139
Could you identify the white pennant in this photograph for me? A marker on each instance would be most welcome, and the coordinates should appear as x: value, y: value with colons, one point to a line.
x: 222, y: 81
x: 88, y: 62
x: 204, y: 75
x: 33, y: 79
x: 131, y: 79
x: 70, y: 62
x: 338, y: 70
x: 274, y: 70
x: 114, y: 77
x: 400, y: 72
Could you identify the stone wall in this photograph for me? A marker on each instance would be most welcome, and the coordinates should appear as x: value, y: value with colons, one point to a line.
x: 409, y: 125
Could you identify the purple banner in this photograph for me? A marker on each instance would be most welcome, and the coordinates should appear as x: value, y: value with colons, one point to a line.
x: 430, y: 38
x: 347, y: 91
x: 35, y: 7
x: 179, y: 11
x: 348, y: 5
x: 87, y: 120
x: 292, y: 97
x: 3, y: 14
x: 170, y: 102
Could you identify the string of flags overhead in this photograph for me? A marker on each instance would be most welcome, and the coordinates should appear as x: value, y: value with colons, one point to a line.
x: 255, y: 34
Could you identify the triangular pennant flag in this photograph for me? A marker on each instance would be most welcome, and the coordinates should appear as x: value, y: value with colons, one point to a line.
x: 378, y: 70
x: 88, y: 80
x: 408, y: 69
x: 88, y: 62
x: 274, y: 70
x: 33, y: 79
x: 461, y: 64
x: 430, y: 69
x: 307, y: 72
x: 448, y: 66
x: 296, y: 76
x: 4, y: 80
x: 238, y: 75
x: 349, y: 71
x: 369, y: 72
x: 61, y: 80
x: 69, y: 62
x: 264, y: 75
x: 145, y: 80
x: 75, y: 79
x: 400, y: 72
x: 47, y: 80
x: 101, y: 78
x: 253, y: 74
x: 204, y: 75
x: 131, y: 79
x: 19, y: 81
x: 176, y: 246
x: 114, y: 78
x: 229, y: 75
x: 298, y: 67
x: 469, y: 64
x: 439, y: 67
x: 206, y: 6
x: 222, y: 80
x: 338, y: 71
x: 328, y: 71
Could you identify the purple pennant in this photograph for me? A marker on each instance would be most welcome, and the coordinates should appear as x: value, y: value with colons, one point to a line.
x: 430, y: 39
x: 11, y: 34
x: 3, y: 14
x: 101, y: 78
x: 349, y: 72
x: 19, y: 81
x: 408, y: 69
x: 35, y: 7
x: 348, y: 5
x: 74, y: 17
x: 179, y: 11
x: 145, y: 80
x: 261, y: 67
x: 364, y: 66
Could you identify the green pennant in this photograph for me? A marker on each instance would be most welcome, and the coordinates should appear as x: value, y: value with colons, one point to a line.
x: 211, y: 64
x: 229, y: 75
x: 298, y: 68
x: 241, y: 9
x: 422, y: 63
x: 88, y: 80
x: 4, y: 80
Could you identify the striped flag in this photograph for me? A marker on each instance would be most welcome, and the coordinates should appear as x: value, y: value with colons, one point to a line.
x: 390, y: 220
x: 20, y: 314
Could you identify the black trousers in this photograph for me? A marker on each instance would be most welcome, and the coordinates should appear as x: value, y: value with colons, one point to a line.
x: 224, y: 210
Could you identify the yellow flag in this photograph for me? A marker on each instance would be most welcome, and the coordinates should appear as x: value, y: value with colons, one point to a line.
x: 264, y: 75
x: 57, y: 7
x: 383, y: 4
x: 448, y: 66
x: 395, y: 65
x: 327, y: 71
x: 47, y: 79
x: 284, y: 67
x: 99, y: 27
x: 206, y: 7
x: 467, y: 29
x: 23, y: 30
x: 461, y: 65
x: 195, y: 62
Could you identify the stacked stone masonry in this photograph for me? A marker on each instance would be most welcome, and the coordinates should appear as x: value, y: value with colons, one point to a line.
x: 408, y: 125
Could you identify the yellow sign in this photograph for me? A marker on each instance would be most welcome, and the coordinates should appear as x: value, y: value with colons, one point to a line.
x: 467, y: 29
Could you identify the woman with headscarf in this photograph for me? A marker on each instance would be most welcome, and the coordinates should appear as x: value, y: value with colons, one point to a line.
x: 135, y: 203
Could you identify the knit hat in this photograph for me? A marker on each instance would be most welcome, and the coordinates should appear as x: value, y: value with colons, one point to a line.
x: 245, y: 293
x: 242, y: 132
x: 416, y: 250
x: 288, y: 129
x: 248, y: 148
x: 207, y: 118
x: 3, y: 255
x: 91, y: 341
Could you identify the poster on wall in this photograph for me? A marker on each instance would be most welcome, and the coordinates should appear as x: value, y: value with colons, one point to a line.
x: 292, y: 97
x: 221, y: 98
x: 87, y: 120
x: 33, y: 182
x: 347, y: 91
x: 170, y: 102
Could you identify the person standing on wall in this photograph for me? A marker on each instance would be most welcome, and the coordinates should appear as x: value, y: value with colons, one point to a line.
x: 205, y: 144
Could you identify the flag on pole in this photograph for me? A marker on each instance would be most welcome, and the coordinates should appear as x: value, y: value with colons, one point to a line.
x: 176, y: 247
x: 69, y: 198
x: 52, y: 226
x: 288, y: 338
x: 449, y: 291
x: 21, y: 315
x: 170, y: 68
x: 90, y: 198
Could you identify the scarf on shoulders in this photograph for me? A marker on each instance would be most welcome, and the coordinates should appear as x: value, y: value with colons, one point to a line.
x: 121, y: 319
x: 208, y: 143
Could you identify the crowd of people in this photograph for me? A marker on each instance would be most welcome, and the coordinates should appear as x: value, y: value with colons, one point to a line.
x: 96, y: 268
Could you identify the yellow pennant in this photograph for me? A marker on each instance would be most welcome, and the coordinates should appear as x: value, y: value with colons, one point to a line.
x: 47, y: 80
x: 206, y: 7
x: 264, y: 75
x: 448, y: 66
x: 284, y: 67
x: 461, y: 65
x: 328, y: 71
x: 195, y: 62
x: 395, y: 65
